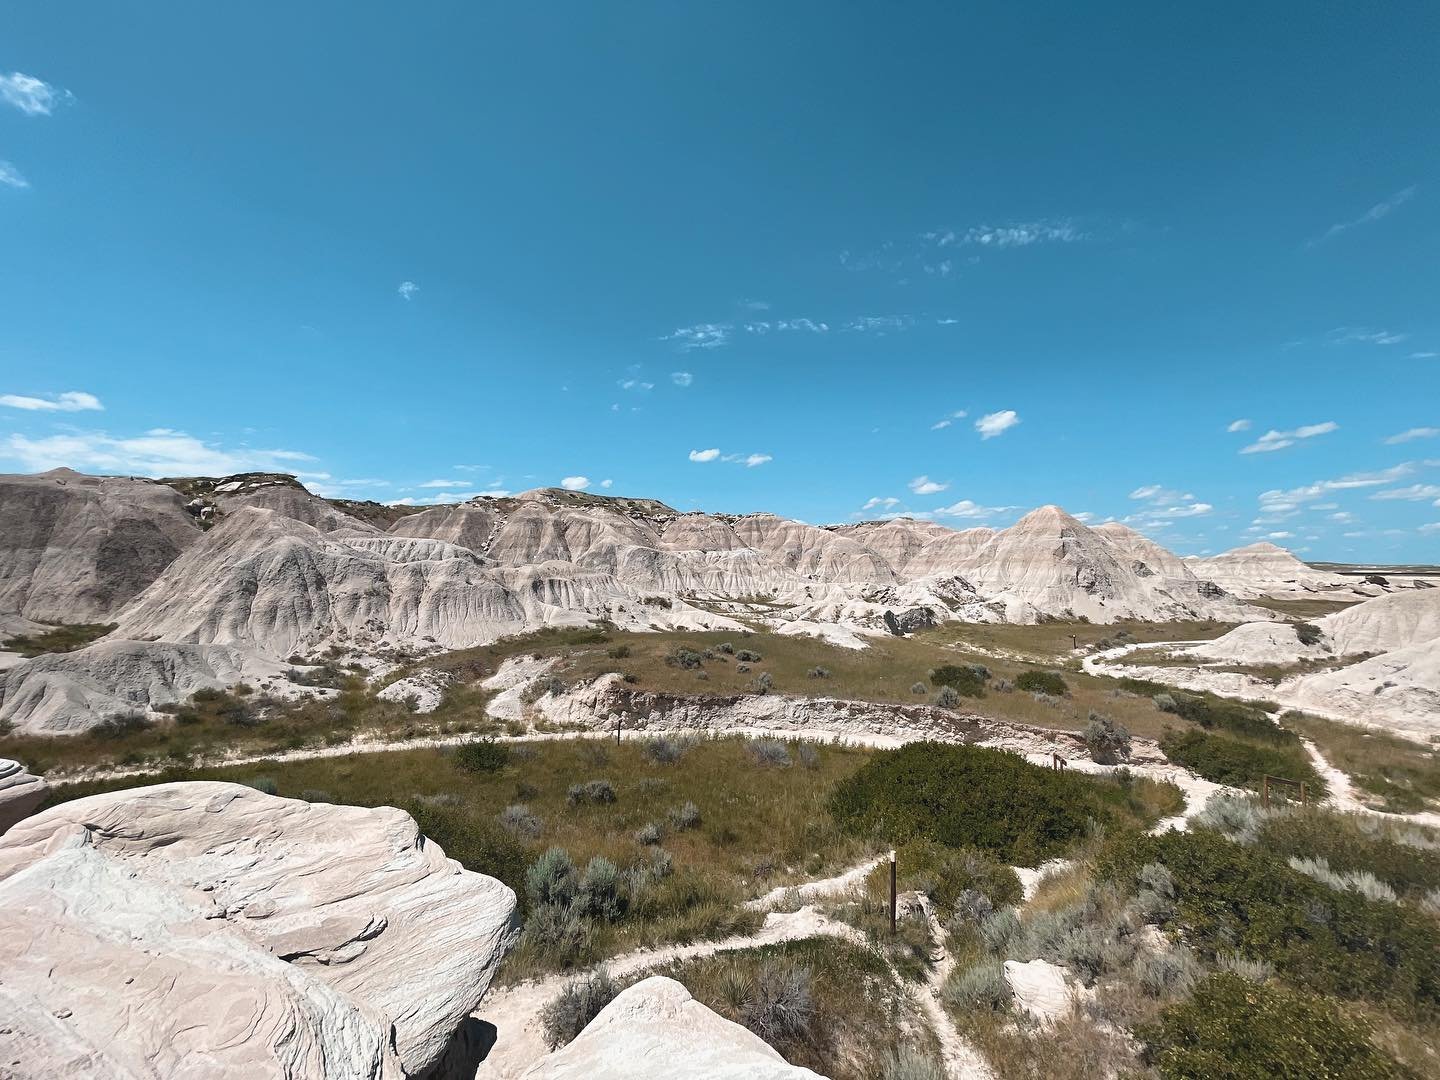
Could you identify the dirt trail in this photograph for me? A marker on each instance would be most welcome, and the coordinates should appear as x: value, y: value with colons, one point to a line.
x: 1343, y: 795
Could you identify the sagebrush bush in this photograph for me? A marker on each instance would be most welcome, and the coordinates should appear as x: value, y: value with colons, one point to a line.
x: 665, y: 750
x: 649, y: 834
x: 1238, y: 817
x: 979, y: 986
x: 725, y: 647
x: 1357, y: 881
x: 618, y: 652
x: 1234, y: 1028
x: 1255, y: 970
x: 818, y: 673
x: 1107, y: 741
x: 599, y: 892
x: 769, y: 752
x: 1167, y: 974
x: 552, y: 879
x: 577, y: 1004
x: 919, y: 688
x: 520, y: 821
x: 686, y: 816
x: 1044, y: 682
x: 763, y: 683
x: 749, y: 656
x: 684, y: 658
x: 947, y: 697
x: 780, y: 1006
x: 119, y: 725
x: 595, y: 792
x: 808, y: 756
x: 1154, y: 900
x: 999, y: 930
x: 264, y: 784
x: 910, y: 1063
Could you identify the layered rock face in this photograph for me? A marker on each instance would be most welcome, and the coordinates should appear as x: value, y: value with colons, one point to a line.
x: 1260, y: 570
x: 655, y: 1030
x: 20, y: 792
x: 208, y: 930
x: 77, y: 548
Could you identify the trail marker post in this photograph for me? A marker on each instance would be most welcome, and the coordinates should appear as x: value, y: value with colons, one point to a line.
x: 892, y: 893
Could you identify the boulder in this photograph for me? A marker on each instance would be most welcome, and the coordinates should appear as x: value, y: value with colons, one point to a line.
x: 208, y: 930
x: 656, y: 1031
x: 1040, y: 989
x: 20, y: 792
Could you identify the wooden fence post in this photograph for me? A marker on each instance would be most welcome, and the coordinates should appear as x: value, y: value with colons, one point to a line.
x: 892, y: 893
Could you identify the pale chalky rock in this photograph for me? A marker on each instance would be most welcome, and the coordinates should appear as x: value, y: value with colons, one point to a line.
x: 1040, y: 989
x: 20, y: 792
x: 208, y: 930
x: 656, y: 1031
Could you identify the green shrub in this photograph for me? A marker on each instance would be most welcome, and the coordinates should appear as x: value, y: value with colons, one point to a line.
x: 618, y: 652
x: 947, y: 697
x: 519, y: 820
x: 969, y: 796
x: 780, y: 1006
x: 966, y: 679
x: 482, y: 846
x: 1235, y: 1029
x: 818, y: 673
x: 1231, y: 716
x: 948, y: 874
x: 649, y: 834
x: 1236, y: 898
x: 484, y: 756
x: 1308, y: 633
x: 264, y: 784
x: 725, y: 647
x: 980, y: 986
x: 919, y: 688
x: 578, y: 1003
x: 910, y: 1063
x: 552, y: 879
x: 1042, y: 682
x: 595, y: 792
x: 1230, y: 761
x: 684, y: 658
x: 599, y: 893
x: 769, y: 752
x: 749, y: 656
x: 685, y: 817
x: 119, y: 725
x: 1345, y: 843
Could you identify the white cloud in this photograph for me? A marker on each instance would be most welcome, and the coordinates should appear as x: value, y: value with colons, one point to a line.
x: 705, y: 455
x: 1279, y: 535
x: 407, y: 290
x: 449, y: 484
x: 1413, y: 434
x: 10, y: 176
x: 1288, y: 501
x: 959, y: 414
x: 880, y: 503
x: 1424, y: 355
x: 1359, y: 335
x: 606, y: 484
x: 575, y: 483
x: 880, y: 324
x: 30, y: 95
x: 1412, y: 493
x: 1375, y: 213
x: 681, y: 378
x: 1238, y: 425
x: 751, y: 460
x: 700, y: 336
x: 1274, y: 440
x: 70, y: 401
x: 754, y: 305
x: 1022, y: 234
x: 996, y: 423
x: 1149, y: 491
x: 923, y: 485
x: 635, y: 384
x: 446, y: 497
x: 967, y: 509
x: 158, y: 452
x: 1343, y: 517
x: 1432, y: 527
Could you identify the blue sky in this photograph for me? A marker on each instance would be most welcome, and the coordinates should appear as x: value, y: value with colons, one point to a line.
x: 829, y: 260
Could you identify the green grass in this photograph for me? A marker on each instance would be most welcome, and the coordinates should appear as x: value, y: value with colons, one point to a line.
x: 1240, y: 762
x: 1403, y: 776
x: 1303, y: 607
x: 62, y: 637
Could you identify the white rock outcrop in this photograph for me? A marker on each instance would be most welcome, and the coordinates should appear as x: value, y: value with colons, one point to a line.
x: 208, y: 930
x: 655, y: 1030
x: 1040, y: 989
x: 21, y: 792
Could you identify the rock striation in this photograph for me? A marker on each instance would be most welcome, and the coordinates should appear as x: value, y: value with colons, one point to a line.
x: 21, y: 793
x: 209, y: 930
x: 655, y: 1030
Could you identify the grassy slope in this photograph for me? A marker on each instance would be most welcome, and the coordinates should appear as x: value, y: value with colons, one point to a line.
x: 63, y: 637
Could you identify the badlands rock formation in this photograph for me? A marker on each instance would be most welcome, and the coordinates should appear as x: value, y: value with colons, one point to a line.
x: 278, y: 571
x: 20, y: 792
x: 207, y: 930
x: 655, y: 1030
x: 77, y: 548
x: 1263, y: 569
x: 66, y: 693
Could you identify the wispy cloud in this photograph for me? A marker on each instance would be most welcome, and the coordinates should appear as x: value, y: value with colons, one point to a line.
x: 1412, y: 493
x: 449, y: 485
x: 750, y: 461
x: 1424, y: 355
x: 1278, y: 440
x: 638, y: 385
x: 1380, y: 210
x: 1361, y: 335
x: 1277, y: 501
x: 1015, y: 234
x: 1165, y: 505
x: 967, y: 509
x: 70, y: 401
x: 607, y: 484
x: 755, y: 305
x: 158, y: 452
x: 996, y: 423
x: 32, y: 96
x: 1413, y: 434
x: 575, y: 483
x: 958, y: 414
x: 700, y: 336
x: 407, y: 290
x: 681, y: 378
x: 444, y: 498
x: 880, y: 502
x: 10, y: 176
x: 923, y: 485
x: 1238, y: 425
x: 705, y: 455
